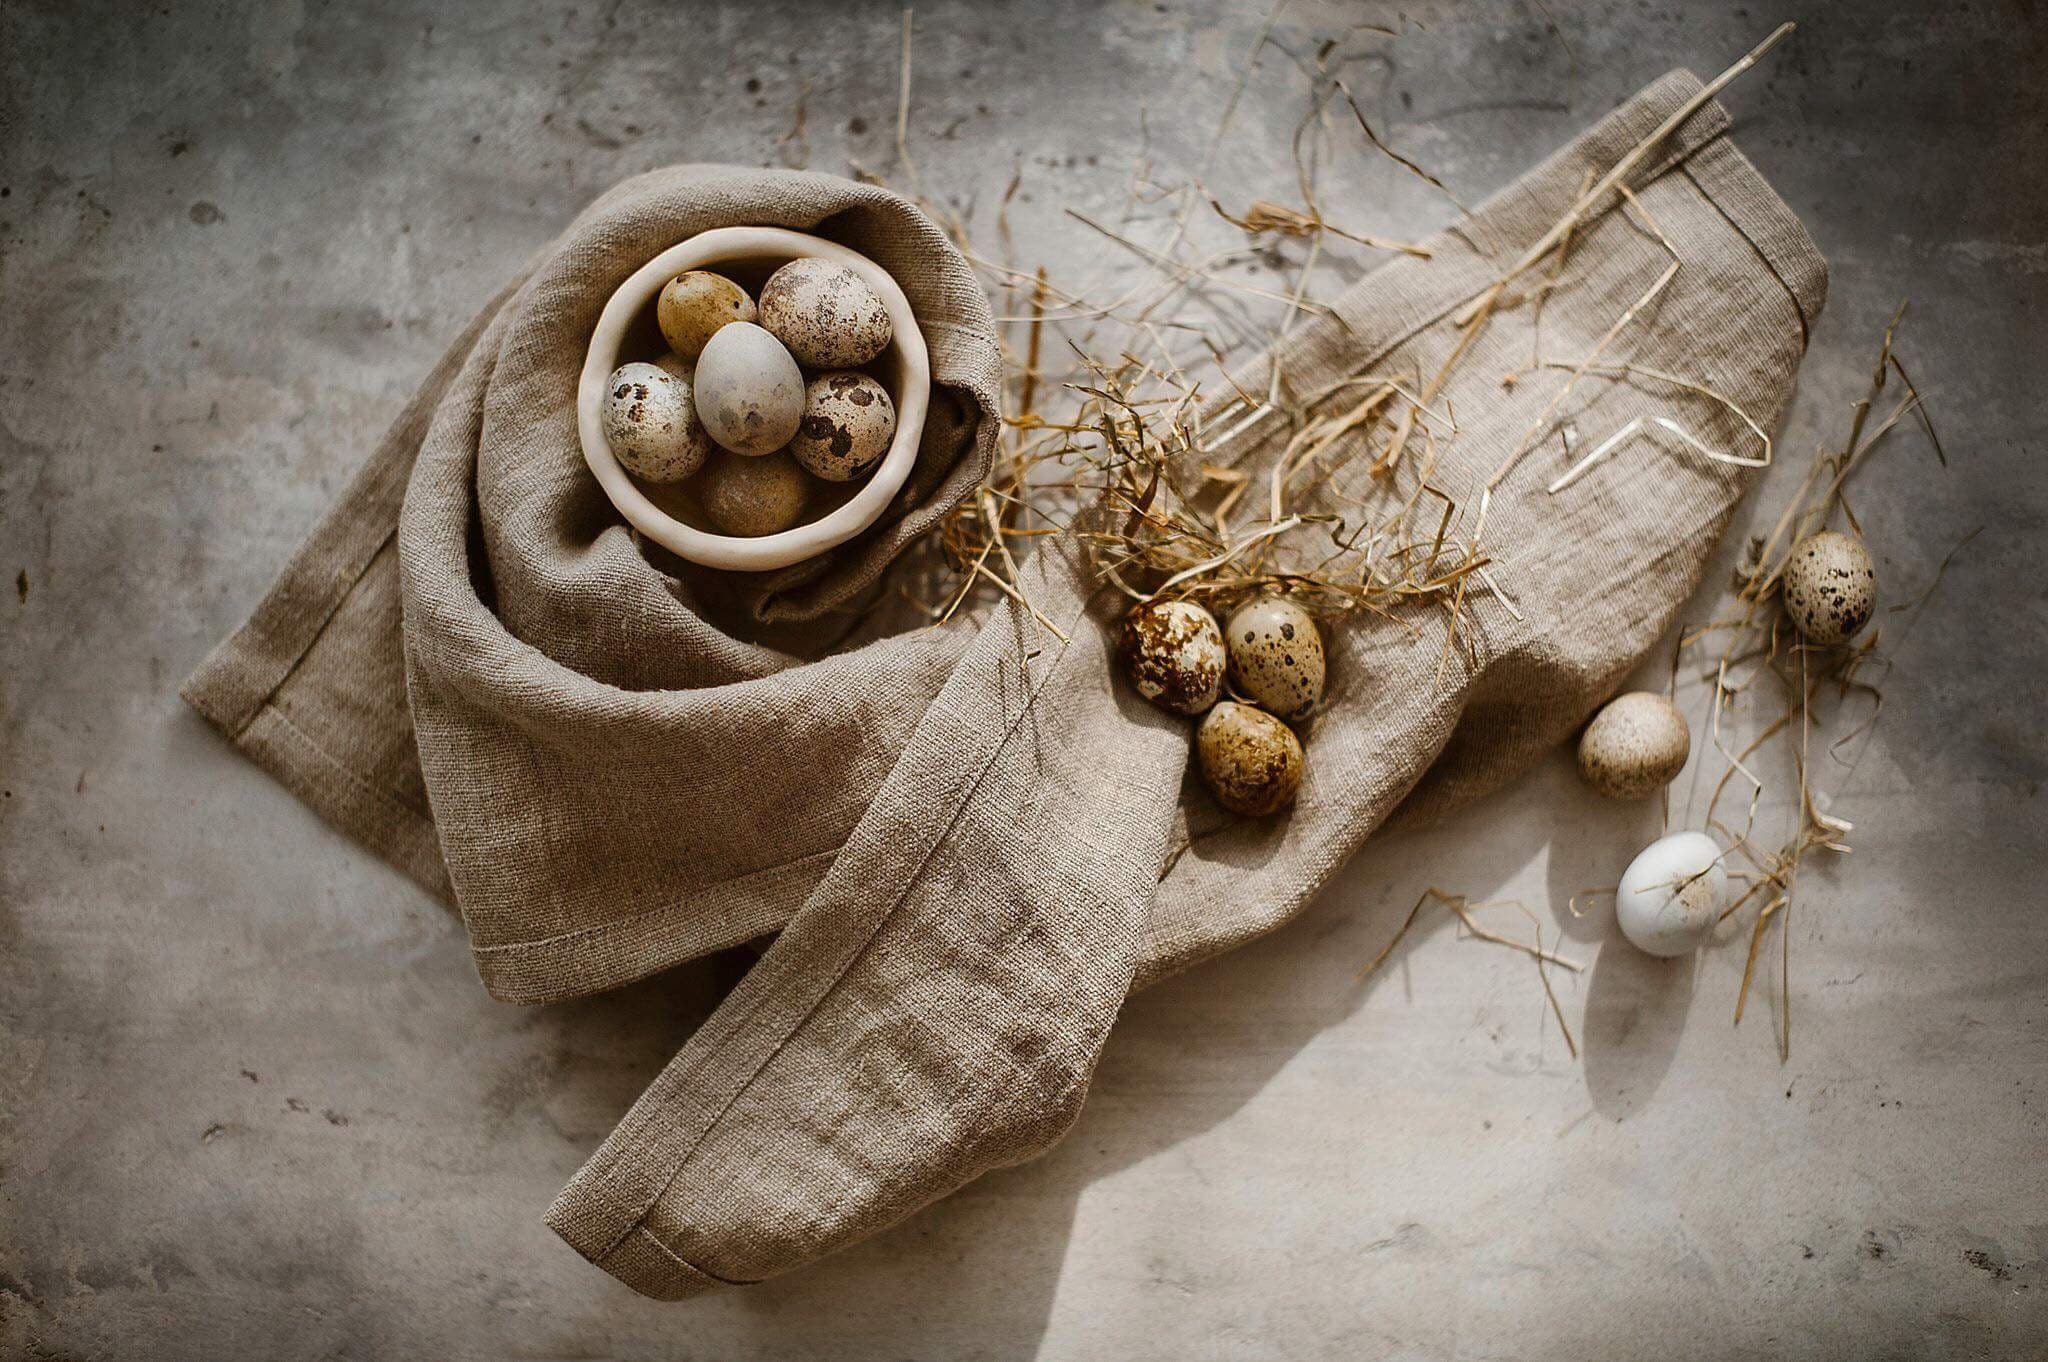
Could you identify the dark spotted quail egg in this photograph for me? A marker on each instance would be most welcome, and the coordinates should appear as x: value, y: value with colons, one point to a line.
x: 692, y: 306
x: 1174, y: 655
x: 749, y: 497
x: 825, y: 313
x: 1635, y: 746
x: 1276, y: 656
x: 750, y: 394
x: 650, y: 422
x: 848, y: 423
x: 1251, y: 761
x: 1830, y: 587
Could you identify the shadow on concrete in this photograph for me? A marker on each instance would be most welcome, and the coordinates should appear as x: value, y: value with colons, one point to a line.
x: 1191, y: 1052
x: 987, y: 1262
x: 1636, y: 1006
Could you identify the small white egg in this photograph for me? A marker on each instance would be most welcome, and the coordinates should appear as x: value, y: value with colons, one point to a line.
x: 1670, y: 895
x: 1251, y: 761
x: 750, y: 394
x: 693, y: 306
x: 1635, y: 746
x: 1276, y: 656
x: 749, y: 496
x: 825, y: 313
x: 1173, y: 653
x: 848, y: 423
x: 1830, y: 587
x: 650, y: 422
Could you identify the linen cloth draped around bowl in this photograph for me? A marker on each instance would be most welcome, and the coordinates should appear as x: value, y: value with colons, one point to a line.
x: 973, y: 840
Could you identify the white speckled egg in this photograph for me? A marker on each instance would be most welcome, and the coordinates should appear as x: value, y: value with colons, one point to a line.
x: 847, y: 425
x: 750, y: 394
x: 1276, y: 656
x: 1635, y: 746
x: 753, y: 496
x: 1670, y: 895
x: 1251, y: 761
x: 825, y: 313
x: 1173, y: 653
x: 650, y: 421
x: 693, y: 306
x: 1830, y: 587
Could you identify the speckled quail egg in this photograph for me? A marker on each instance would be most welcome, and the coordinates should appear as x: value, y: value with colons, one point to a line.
x: 1173, y: 653
x: 1635, y: 746
x: 1276, y: 656
x: 847, y: 425
x: 1251, y: 761
x: 675, y: 366
x: 750, y: 394
x: 650, y: 421
x: 1670, y: 895
x: 694, y: 305
x: 825, y: 313
x: 1830, y: 587
x: 753, y: 496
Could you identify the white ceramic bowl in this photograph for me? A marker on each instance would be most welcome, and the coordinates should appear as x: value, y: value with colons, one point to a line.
x: 626, y: 332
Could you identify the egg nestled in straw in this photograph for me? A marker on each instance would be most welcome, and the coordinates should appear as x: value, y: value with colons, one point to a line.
x: 1276, y: 656
x: 1635, y: 746
x: 1830, y: 587
x: 1250, y: 760
x: 1670, y: 895
x: 1174, y: 655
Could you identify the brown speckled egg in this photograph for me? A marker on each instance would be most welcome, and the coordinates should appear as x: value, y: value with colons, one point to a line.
x: 1173, y: 653
x: 750, y: 394
x: 695, y: 305
x: 1830, y: 587
x: 848, y: 423
x: 1635, y: 746
x: 1276, y: 656
x: 650, y: 421
x: 825, y: 313
x: 675, y: 366
x: 753, y: 496
x: 1250, y: 759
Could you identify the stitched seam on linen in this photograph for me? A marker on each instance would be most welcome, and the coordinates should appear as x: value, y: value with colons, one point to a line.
x: 678, y: 1258
x: 1742, y: 230
x: 617, y: 924
x: 970, y: 332
x: 854, y: 957
x: 342, y: 588
x: 354, y: 776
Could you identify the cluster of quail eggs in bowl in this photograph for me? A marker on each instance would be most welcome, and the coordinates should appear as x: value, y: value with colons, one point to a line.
x: 1269, y: 657
x: 754, y: 396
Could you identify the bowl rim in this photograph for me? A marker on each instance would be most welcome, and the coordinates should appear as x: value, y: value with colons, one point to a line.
x: 715, y: 246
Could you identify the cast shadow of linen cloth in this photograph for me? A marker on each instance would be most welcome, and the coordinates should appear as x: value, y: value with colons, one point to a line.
x: 973, y: 840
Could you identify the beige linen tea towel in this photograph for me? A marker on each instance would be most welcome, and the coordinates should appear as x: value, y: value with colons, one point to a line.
x: 994, y: 840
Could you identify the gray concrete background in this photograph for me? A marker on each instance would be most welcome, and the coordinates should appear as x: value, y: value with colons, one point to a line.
x: 253, y: 1102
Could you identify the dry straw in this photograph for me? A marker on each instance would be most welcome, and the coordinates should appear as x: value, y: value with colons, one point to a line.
x: 1114, y: 402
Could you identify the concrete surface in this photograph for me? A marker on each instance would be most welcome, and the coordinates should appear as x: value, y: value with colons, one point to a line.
x: 254, y: 1103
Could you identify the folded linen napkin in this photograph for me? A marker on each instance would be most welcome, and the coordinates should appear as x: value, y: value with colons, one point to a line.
x: 974, y: 840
